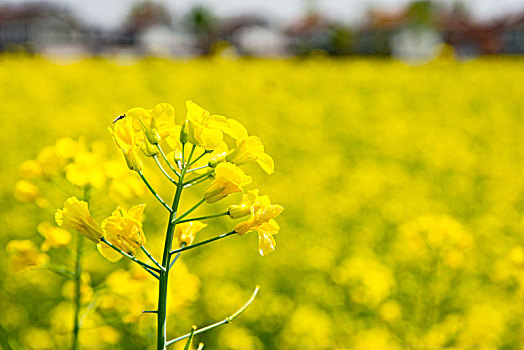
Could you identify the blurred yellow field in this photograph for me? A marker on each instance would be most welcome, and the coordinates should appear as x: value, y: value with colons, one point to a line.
x: 403, y: 190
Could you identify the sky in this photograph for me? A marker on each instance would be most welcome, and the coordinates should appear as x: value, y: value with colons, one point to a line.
x: 110, y: 13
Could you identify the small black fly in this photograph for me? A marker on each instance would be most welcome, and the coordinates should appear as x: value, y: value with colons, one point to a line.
x: 118, y: 118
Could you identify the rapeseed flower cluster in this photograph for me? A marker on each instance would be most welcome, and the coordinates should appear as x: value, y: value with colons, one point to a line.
x: 219, y: 145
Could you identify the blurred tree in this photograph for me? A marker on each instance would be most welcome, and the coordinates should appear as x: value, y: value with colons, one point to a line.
x: 420, y: 13
x: 200, y: 19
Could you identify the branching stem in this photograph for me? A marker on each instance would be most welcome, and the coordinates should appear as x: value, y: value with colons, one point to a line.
x: 154, y: 192
x: 227, y: 320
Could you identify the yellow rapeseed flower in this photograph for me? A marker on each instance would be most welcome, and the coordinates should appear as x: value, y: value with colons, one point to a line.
x: 86, y: 170
x: 266, y: 241
x: 30, y: 169
x: 204, y: 129
x: 124, y: 230
x: 251, y: 149
x: 250, y: 202
x: 55, y: 237
x: 125, y: 138
x: 261, y: 211
x: 26, y: 191
x: 155, y: 123
x: 185, y: 232
x: 76, y: 216
x: 24, y: 254
x: 228, y: 179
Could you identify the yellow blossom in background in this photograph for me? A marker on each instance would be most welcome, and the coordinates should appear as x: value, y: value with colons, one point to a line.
x: 30, y: 169
x: 124, y: 230
x: 55, y: 237
x: 405, y: 189
x: 86, y: 291
x: 86, y: 170
x: 67, y: 148
x: 24, y: 254
x: 228, y: 179
x: 185, y: 232
x: 26, y: 191
x: 76, y: 216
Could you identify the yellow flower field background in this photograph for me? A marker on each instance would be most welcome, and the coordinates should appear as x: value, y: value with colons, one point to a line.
x: 403, y: 188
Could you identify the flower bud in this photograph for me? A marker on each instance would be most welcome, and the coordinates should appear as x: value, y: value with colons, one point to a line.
x: 133, y: 160
x: 217, y: 159
x: 183, y: 133
x: 151, y: 133
x: 149, y: 149
x: 238, y: 211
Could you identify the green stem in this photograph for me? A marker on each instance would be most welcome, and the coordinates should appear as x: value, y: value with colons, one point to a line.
x: 176, y: 221
x: 78, y: 281
x: 200, y: 156
x: 224, y: 235
x: 166, y: 160
x: 203, y: 217
x: 190, y: 338
x: 166, y: 257
x: 176, y: 257
x: 147, y: 267
x: 151, y: 257
x: 227, y: 320
x: 203, y: 176
x: 195, y: 169
x: 155, y: 157
x: 154, y: 192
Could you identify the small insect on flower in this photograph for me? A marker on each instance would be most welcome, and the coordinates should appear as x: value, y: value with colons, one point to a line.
x: 119, y: 117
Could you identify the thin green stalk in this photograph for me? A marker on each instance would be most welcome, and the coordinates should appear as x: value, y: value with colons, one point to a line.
x: 203, y: 217
x: 154, y: 192
x: 155, y: 157
x: 190, y: 338
x: 151, y: 257
x: 184, y: 164
x: 78, y: 281
x: 199, y: 177
x: 147, y: 267
x: 166, y: 160
x: 195, y: 169
x: 224, y: 235
x: 198, y: 158
x: 174, y: 260
x: 227, y: 320
x: 176, y: 221
x: 166, y: 257
x: 177, y: 256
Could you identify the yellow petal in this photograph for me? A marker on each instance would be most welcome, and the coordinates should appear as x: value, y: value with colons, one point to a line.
x: 236, y: 131
x: 266, y: 163
x: 218, y: 122
x: 209, y: 139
